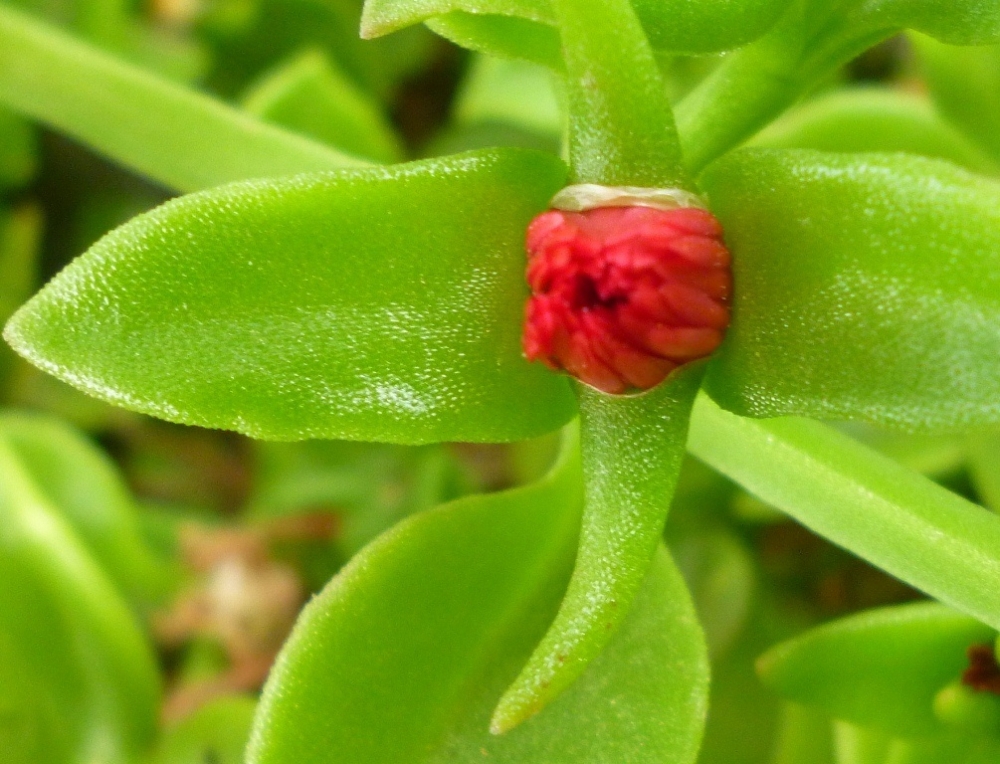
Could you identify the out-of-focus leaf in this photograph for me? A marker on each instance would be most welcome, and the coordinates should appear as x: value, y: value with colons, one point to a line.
x: 859, y: 745
x: 964, y: 82
x: 417, y: 636
x: 969, y: 711
x: 720, y: 573
x: 677, y: 26
x: 83, y: 484
x: 216, y: 733
x: 511, y: 92
x: 814, y: 37
x: 93, y: 679
x: 20, y: 233
x: 370, y: 304
x: 308, y: 95
x: 632, y: 452
x: 804, y: 737
x: 983, y: 450
x: 868, y: 288
x: 17, y: 150
x: 874, y: 119
x: 880, y: 668
x: 889, y: 515
x: 173, y: 135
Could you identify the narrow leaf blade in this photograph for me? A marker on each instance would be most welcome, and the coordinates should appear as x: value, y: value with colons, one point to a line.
x: 891, y: 516
x: 632, y: 452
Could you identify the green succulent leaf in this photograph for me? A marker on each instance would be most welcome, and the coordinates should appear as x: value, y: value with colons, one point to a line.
x: 868, y: 288
x: 879, y: 668
x: 677, y: 26
x: 964, y: 81
x: 505, y: 36
x: 173, y: 135
x: 861, y: 500
x: 860, y: 745
x: 418, y: 635
x: 982, y: 450
x: 85, y: 685
x: 309, y: 95
x: 874, y: 119
x: 216, y: 733
x: 83, y: 485
x: 632, y: 452
x: 366, y: 305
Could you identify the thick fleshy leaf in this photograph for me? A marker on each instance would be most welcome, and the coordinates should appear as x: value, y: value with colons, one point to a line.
x: 366, y: 304
x: 81, y: 482
x: 621, y: 127
x: 879, y: 668
x: 861, y: 500
x: 814, y: 38
x: 171, y: 134
x: 868, y: 288
x: 677, y: 26
x: 874, y: 119
x: 504, y: 36
x: 983, y: 453
x: 402, y: 657
x: 309, y: 95
x: 91, y: 679
x: 632, y: 452
x: 964, y: 82
x: 216, y: 733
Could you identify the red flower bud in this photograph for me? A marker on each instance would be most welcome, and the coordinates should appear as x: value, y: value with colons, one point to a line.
x: 621, y: 296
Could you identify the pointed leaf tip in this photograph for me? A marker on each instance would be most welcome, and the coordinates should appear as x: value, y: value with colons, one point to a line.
x: 632, y: 451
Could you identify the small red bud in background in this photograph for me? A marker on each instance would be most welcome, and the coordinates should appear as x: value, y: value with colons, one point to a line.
x: 622, y: 296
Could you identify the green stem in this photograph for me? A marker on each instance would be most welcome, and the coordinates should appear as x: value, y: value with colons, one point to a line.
x: 891, y: 516
x: 621, y: 125
x: 176, y: 136
x: 757, y: 83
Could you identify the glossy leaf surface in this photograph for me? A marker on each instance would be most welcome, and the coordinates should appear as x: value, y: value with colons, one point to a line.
x: 309, y: 95
x: 678, y: 26
x: 90, y: 684
x: 885, y: 513
x: 175, y: 136
x: 874, y: 119
x: 878, y: 668
x: 368, y: 304
x: 632, y: 451
x: 868, y: 288
x: 418, y: 635
x: 81, y: 482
